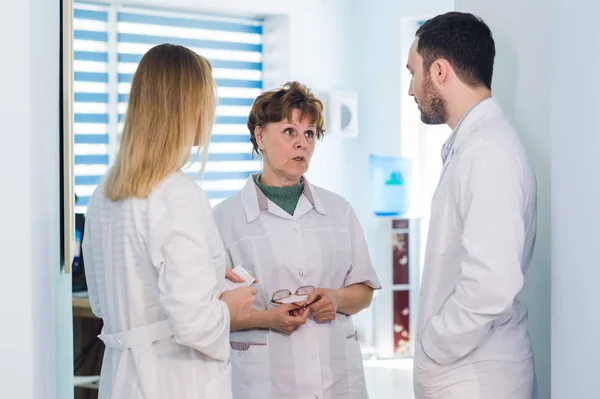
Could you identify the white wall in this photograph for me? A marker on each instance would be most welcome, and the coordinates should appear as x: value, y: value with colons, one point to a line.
x: 575, y: 196
x: 374, y: 63
x: 32, y: 292
x: 521, y: 84
x: 17, y: 228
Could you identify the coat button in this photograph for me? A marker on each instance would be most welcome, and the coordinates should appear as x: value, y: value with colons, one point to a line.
x: 301, y: 274
x: 295, y: 230
x: 239, y: 354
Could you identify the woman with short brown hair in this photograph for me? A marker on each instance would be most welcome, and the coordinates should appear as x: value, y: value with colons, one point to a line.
x: 307, y: 249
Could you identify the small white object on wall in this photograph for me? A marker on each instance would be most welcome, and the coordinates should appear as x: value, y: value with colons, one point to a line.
x: 343, y: 113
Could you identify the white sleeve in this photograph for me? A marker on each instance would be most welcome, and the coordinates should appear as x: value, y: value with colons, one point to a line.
x: 490, y: 203
x: 361, y: 269
x: 180, y: 232
x: 90, y: 267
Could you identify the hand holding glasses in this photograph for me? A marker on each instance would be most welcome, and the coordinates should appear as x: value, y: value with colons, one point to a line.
x: 323, y: 302
x: 298, y: 298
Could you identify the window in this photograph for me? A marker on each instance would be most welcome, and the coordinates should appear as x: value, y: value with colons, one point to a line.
x: 91, y: 99
x: 110, y: 41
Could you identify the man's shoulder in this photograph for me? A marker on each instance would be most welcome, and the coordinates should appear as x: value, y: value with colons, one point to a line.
x: 495, y: 134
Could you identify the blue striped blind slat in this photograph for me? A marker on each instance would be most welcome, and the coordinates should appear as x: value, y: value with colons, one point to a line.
x: 253, y: 66
x: 93, y: 15
x: 87, y: 180
x: 90, y: 98
x: 94, y: 77
x: 197, y: 43
x: 91, y: 118
x: 219, y: 120
x: 90, y: 35
x: 221, y: 157
x: 216, y: 63
x: 189, y: 23
x: 246, y: 84
x: 230, y: 138
x: 91, y: 138
x: 90, y: 56
x: 224, y: 175
x: 231, y: 120
x: 249, y: 84
x: 242, y: 102
x: 91, y: 159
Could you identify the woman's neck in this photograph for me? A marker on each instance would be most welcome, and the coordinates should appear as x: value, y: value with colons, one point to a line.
x: 269, y: 178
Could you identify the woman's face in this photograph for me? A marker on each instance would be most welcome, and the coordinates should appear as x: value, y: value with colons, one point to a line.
x: 287, y: 147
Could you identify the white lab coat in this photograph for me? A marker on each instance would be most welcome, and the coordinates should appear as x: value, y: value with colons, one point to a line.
x: 480, y: 243
x: 155, y: 268
x: 322, y: 245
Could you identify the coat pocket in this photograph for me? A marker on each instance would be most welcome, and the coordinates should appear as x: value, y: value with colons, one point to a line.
x: 354, y: 370
x: 250, y: 369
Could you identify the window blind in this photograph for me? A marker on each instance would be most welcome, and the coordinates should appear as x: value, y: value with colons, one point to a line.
x: 120, y: 36
x: 91, y: 98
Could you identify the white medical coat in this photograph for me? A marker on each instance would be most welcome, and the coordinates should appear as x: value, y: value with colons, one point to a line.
x: 155, y: 268
x: 322, y: 245
x: 480, y: 244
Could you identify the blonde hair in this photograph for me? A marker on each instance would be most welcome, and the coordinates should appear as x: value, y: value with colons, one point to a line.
x: 171, y: 109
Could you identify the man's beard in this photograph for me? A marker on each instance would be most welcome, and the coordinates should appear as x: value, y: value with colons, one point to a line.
x: 433, y: 107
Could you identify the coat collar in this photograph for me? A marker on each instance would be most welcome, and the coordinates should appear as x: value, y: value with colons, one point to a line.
x: 255, y: 201
x: 484, y: 110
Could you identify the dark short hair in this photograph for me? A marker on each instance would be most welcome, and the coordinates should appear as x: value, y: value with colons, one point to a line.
x: 462, y: 39
x: 277, y: 105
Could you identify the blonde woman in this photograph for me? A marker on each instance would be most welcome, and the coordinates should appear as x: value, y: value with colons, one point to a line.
x: 154, y: 261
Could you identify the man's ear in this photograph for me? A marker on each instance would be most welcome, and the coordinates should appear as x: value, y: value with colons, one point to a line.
x: 440, y: 70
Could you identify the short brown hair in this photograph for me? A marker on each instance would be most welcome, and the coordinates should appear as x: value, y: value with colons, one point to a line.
x: 277, y: 105
x: 462, y: 39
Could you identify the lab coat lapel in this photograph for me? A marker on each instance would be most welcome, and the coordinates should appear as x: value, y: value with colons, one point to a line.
x: 484, y: 111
